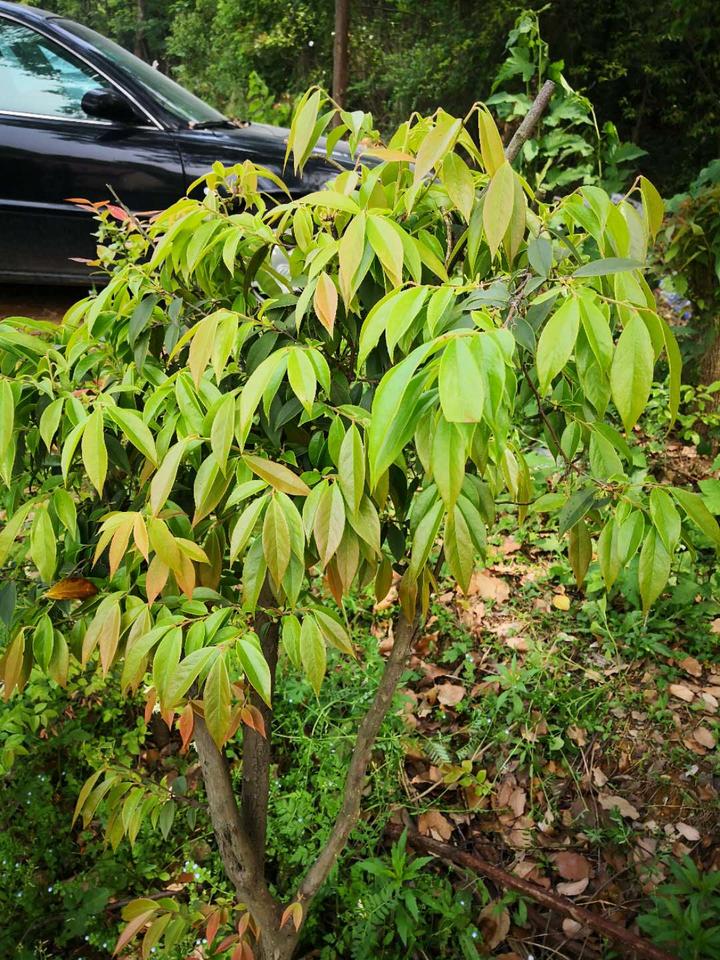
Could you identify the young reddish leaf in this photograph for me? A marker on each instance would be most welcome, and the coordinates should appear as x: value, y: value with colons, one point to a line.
x: 72, y: 588
x: 295, y: 913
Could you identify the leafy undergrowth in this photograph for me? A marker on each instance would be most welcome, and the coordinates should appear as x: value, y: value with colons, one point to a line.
x: 571, y: 742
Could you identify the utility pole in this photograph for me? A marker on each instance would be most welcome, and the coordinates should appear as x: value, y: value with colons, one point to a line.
x: 340, y: 51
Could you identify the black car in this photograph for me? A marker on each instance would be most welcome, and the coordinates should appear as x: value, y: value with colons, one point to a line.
x: 82, y: 117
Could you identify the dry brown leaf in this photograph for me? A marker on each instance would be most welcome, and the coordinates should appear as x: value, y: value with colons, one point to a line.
x: 434, y: 824
x: 715, y: 625
x: 72, y: 588
x: 691, y: 665
x: 510, y: 545
x: 573, y: 889
x: 489, y: 588
x: 690, y: 833
x: 518, y: 644
x: 517, y: 801
x: 577, y: 735
x: 572, y: 929
x: 623, y: 806
x: 572, y: 866
x: 494, y: 925
x: 599, y: 777
x: 682, y: 692
x: 704, y: 738
x: 710, y: 702
x: 450, y: 694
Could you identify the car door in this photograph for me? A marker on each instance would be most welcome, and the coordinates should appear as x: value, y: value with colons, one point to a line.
x: 51, y: 150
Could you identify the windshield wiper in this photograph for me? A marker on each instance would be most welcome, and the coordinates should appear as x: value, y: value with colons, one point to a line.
x: 213, y: 124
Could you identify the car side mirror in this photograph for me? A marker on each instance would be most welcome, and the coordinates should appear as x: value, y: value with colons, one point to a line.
x: 109, y: 105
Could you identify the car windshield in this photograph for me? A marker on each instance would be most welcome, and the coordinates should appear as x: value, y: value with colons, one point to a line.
x: 171, y: 95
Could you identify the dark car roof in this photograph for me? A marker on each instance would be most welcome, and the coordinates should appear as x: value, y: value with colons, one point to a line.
x: 30, y: 14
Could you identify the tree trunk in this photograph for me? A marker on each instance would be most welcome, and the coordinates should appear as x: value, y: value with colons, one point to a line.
x: 257, y: 750
x: 340, y: 51
x: 710, y: 363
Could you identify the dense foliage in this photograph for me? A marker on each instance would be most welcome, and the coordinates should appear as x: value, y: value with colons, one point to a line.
x: 269, y: 408
x: 650, y: 68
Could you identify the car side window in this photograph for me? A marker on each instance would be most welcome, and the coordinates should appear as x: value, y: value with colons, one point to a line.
x: 39, y: 77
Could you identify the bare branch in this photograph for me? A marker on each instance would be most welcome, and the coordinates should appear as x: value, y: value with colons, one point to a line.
x: 560, y: 904
x: 530, y: 121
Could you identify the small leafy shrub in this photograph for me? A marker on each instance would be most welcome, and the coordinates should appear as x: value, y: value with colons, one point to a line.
x: 211, y: 456
x: 396, y: 904
x: 686, y: 914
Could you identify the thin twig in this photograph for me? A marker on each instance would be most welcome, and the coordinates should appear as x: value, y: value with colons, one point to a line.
x: 553, y: 901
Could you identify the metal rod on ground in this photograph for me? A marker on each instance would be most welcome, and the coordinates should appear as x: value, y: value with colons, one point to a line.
x: 553, y: 901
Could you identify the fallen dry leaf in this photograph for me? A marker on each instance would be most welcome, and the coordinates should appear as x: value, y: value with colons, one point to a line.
x: 690, y: 833
x: 691, y: 665
x: 450, y: 694
x: 704, y: 737
x: 434, y: 824
x: 489, y: 588
x: 715, y: 625
x: 682, y: 692
x: 623, y: 806
x: 494, y: 925
x: 561, y: 602
x: 599, y: 777
x: 572, y: 866
x: 518, y: 644
x: 572, y: 889
x: 572, y: 929
x: 578, y: 735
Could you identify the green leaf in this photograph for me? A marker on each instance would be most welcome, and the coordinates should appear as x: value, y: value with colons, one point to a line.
x: 166, y: 664
x: 50, y: 420
x: 164, y: 480
x: 498, y: 206
x: 303, y: 126
x: 43, y: 641
x: 396, y: 311
x: 448, y: 461
x: 329, y: 522
x: 388, y: 247
x: 312, y: 652
x: 242, y: 531
x: 694, y: 507
x: 94, y: 451
x: 602, y: 268
x: 334, y: 631
x: 254, y: 665
x: 276, y: 540
x: 653, y: 206
x: 301, y: 375
x: 216, y: 698
x: 186, y: 673
x: 291, y: 639
x: 461, y: 382
x: 665, y: 518
x: 580, y: 551
x: 351, y: 468
x: 459, y: 183
x: 12, y: 529
x: 136, y: 431
x: 223, y: 430
x: 439, y: 141
x: 557, y: 342
x: 575, y: 509
x: 459, y: 548
x: 654, y: 569
x: 491, y: 145
x: 43, y: 550
x: 277, y: 476
x: 631, y: 374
